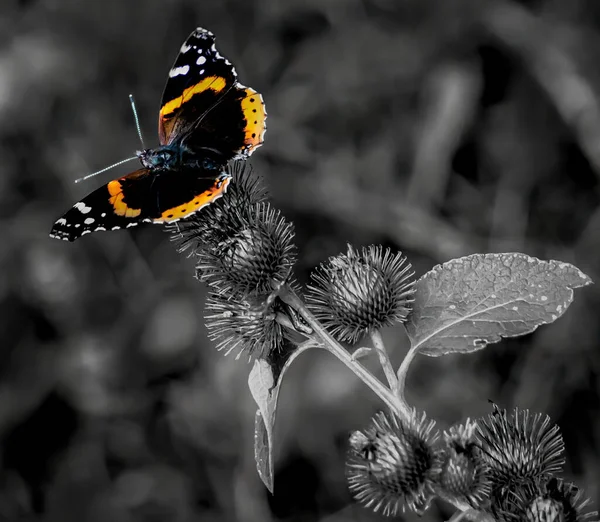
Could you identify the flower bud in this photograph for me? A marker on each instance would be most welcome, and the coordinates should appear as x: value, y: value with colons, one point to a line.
x: 558, y: 502
x: 464, y: 472
x: 224, y: 218
x: 543, y: 500
x: 255, y: 259
x: 520, y: 447
x: 244, y: 324
x: 358, y: 292
x: 391, y: 466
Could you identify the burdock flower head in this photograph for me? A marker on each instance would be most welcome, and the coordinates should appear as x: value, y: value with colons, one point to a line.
x: 464, y: 475
x: 217, y: 222
x: 361, y: 291
x: 244, y: 325
x: 545, y: 500
x: 556, y: 500
x: 245, y: 254
x: 520, y: 448
x: 392, y: 466
x: 255, y: 258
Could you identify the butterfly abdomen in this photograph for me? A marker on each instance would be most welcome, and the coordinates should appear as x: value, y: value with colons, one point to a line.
x: 175, y: 157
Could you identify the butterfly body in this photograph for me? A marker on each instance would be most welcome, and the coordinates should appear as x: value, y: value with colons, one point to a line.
x: 176, y: 157
x: 207, y: 118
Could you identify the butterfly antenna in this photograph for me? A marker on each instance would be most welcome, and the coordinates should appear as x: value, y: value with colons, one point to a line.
x: 137, y: 120
x: 104, y: 169
x: 139, y: 131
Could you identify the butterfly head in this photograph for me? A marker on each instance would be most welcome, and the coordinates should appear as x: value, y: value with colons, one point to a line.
x: 161, y: 158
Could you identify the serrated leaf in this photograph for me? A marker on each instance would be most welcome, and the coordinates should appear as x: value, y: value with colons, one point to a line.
x: 264, y: 382
x: 470, y: 302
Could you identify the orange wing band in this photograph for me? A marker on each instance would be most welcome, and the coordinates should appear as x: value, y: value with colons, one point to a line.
x: 201, y: 200
x: 214, y: 83
x: 116, y: 200
x: 165, y: 116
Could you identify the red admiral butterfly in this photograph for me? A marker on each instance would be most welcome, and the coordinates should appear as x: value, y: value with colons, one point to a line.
x: 206, y: 119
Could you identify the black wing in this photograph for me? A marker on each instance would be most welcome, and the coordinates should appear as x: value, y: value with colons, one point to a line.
x: 142, y: 196
x: 205, y: 107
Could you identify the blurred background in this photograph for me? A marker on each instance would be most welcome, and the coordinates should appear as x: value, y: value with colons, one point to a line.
x: 437, y: 127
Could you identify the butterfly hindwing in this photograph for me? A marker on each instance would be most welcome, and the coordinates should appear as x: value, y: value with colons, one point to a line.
x: 142, y: 196
x: 181, y: 194
x: 235, y: 126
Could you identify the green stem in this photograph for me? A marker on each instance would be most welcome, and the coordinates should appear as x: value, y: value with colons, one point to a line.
x: 403, y: 370
x: 329, y: 343
x: 395, y: 401
x: 384, y: 360
x: 361, y: 352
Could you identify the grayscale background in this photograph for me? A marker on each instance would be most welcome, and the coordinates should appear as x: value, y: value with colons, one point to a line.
x: 439, y: 128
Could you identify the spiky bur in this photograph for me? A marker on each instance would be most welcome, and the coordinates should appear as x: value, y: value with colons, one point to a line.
x: 520, y: 450
x: 361, y: 291
x: 217, y: 222
x: 464, y: 474
x: 392, y: 466
x: 257, y: 258
x: 545, y: 500
x: 561, y: 502
x: 245, y: 325
x: 245, y: 253
x: 520, y: 447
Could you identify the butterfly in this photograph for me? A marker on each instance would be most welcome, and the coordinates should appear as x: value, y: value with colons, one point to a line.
x: 206, y: 119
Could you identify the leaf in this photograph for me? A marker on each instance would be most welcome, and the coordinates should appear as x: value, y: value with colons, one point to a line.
x: 264, y: 382
x: 470, y: 302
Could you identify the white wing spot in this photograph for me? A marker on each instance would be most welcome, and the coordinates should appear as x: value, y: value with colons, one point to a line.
x: 100, y: 228
x: 543, y: 298
x: 61, y: 221
x: 515, y: 308
x: 88, y: 221
x: 559, y: 308
x: 115, y: 228
x: 77, y: 225
x: 176, y: 71
x: 201, y: 60
x: 129, y: 225
x: 185, y: 48
x: 103, y: 214
x: 82, y: 207
x: 452, y: 307
x: 493, y: 296
x: 202, y: 71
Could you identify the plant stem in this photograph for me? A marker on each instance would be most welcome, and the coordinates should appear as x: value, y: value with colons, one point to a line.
x: 396, y: 404
x: 403, y: 370
x: 361, y: 352
x: 394, y: 400
x: 384, y: 360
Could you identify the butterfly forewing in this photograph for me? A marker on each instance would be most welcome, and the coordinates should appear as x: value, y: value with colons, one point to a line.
x: 205, y: 107
x: 140, y: 197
